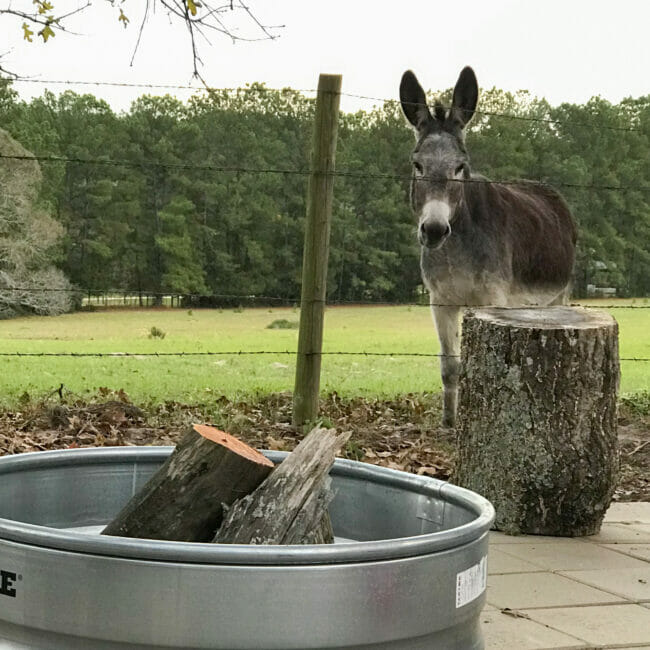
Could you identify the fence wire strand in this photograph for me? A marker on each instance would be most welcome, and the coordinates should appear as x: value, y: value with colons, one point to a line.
x: 261, y: 89
x: 549, y: 184
x: 125, y: 355
x: 129, y: 84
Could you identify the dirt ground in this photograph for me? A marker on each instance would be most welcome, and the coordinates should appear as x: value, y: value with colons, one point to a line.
x: 403, y: 434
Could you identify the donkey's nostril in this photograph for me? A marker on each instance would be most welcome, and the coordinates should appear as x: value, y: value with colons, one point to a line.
x: 433, y: 232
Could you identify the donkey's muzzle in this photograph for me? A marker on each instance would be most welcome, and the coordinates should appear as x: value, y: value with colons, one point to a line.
x: 432, y: 234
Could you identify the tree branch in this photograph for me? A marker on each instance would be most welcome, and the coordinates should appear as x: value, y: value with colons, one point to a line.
x: 208, y: 17
x: 142, y: 24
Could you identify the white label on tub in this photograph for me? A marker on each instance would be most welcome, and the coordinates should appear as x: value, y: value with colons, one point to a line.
x: 471, y: 583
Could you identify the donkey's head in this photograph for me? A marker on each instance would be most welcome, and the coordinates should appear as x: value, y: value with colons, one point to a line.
x: 439, y: 159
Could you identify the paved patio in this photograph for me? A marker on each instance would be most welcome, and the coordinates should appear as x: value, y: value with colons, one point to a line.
x: 549, y: 593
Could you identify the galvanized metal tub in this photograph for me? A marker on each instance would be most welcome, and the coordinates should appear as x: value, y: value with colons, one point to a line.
x: 413, y: 578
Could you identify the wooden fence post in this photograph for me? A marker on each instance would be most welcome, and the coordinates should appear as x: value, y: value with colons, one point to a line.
x: 316, y: 250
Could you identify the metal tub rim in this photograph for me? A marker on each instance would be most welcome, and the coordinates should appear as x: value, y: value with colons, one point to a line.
x: 234, y: 554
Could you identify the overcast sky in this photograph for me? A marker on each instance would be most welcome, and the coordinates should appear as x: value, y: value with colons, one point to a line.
x: 564, y: 50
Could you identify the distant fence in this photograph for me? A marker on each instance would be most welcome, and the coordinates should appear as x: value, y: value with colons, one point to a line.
x: 107, y: 299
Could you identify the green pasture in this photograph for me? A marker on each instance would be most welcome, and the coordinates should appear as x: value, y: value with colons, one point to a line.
x: 388, y: 330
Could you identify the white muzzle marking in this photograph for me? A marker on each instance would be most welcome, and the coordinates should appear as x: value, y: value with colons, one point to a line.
x: 433, y: 226
x: 435, y: 211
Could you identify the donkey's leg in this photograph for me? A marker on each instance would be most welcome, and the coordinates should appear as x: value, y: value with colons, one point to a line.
x: 447, y: 321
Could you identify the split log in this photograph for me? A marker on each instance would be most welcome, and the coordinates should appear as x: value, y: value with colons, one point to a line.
x: 537, y: 417
x: 290, y: 507
x: 184, y: 499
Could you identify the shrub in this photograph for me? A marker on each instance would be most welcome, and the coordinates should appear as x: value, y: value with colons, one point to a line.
x: 156, y: 333
x: 283, y: 324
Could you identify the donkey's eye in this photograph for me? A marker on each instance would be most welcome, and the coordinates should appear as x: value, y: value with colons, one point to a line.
x: 418, y: 167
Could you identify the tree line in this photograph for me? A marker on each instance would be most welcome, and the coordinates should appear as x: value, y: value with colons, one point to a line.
x: 156, y: 212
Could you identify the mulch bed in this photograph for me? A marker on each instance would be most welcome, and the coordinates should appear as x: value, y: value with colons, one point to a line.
x: 402, y: 434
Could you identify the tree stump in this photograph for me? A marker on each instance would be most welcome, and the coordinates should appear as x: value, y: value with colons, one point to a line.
x: 183, y: 501
x: 537, y: 417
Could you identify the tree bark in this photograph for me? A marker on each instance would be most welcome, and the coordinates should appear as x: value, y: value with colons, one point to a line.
x: 290, y: 507
x: 537, y: 417
x: 184, y: 500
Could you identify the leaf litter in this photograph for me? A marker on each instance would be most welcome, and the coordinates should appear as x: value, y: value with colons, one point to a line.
x: 402, y: 433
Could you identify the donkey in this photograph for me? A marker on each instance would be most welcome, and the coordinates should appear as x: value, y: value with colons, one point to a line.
x: 482, y: 243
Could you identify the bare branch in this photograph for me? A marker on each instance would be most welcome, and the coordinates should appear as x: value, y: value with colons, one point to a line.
x: 257, y: 22
x: 209, y: 17
x: 8, y: 73
x: 73, y: 12
x: 38, y: 19
x: 142, y: 24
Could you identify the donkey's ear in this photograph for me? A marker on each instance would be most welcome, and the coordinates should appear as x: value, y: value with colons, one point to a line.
x: 414, y: 101
x: 465, y: 97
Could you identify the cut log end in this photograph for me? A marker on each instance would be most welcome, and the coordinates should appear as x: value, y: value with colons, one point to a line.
x: 233, y: 444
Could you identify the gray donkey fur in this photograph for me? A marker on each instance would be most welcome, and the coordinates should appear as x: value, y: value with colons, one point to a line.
x: 482, y: 243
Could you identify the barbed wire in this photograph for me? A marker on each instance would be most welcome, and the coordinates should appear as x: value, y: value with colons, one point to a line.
x: 118, y: 355
x: 217, y: 353
x: 262, y: 89
x: 306, y: 172
x: 236, y: 169
x: 127, y: 84
x: 525, y: 118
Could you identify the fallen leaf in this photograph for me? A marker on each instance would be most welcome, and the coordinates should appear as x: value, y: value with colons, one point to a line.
x: 515, y: 613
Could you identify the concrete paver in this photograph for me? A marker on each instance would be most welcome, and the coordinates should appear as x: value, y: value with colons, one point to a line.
x: 500, y: 561
x: 638, y: 512
x: 633, y: 584
x: 526, y: 590
x: 588, y: 592
x: 622, y: 534
x: 640, y: 551
x: 600, y: 624
x: 501, y: 538
x: 573, y: 555
x: 497, y: 537
x: 504, y: 632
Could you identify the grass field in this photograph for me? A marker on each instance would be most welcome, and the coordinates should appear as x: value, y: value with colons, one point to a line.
x: 200, y: 379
